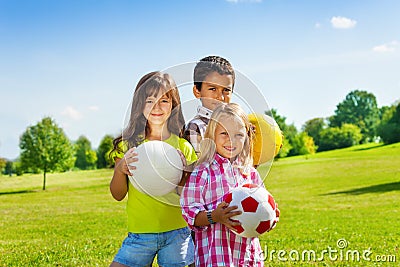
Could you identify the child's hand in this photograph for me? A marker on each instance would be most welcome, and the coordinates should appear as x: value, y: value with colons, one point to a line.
x: 124, y: 165
x: 278, y: 213
x: 186, y: 168
x: 184, y: 162
x: 223, y: 214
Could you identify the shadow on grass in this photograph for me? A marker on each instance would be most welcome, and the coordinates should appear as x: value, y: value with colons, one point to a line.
x: 369, y: 148
x: 17, y: 192
x: 379, y: 188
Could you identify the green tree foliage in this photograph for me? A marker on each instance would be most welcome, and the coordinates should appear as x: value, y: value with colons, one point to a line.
x: 86, y: 158
x: 389, y: 128
x: 290, y: 133
x: 285, y: 149
x: 359, y: 108
x: 3, y: 163
x: 294, y: 143
x: 314, y: 128
x: 17, y: 167
x: 103, y: 160
x: 386, y: 112
x: 303, y: 144
x: 345, y: 136
x: 286, y: 131
x: 45, y: 147
x: 9, y: 168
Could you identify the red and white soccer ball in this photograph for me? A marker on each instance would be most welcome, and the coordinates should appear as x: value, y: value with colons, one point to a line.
x: 259, y: 210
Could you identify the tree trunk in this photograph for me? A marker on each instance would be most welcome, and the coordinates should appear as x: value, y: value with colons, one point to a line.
x: 44, y: 180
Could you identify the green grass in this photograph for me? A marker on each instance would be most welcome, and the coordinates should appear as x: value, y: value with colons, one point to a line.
x: 350, y: 194
x: 75, y: 222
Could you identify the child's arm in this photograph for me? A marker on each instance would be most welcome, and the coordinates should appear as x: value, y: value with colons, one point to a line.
x: 193, y: 204
x: 182, y: 182
x: 221, y: 214
x: 189, y: 158
x: 187, y: 171
x: 193, y: 136
x: 119, y: 181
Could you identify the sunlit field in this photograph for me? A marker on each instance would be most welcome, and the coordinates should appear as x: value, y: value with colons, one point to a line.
x: 338, y: 208
x: 345, y: 201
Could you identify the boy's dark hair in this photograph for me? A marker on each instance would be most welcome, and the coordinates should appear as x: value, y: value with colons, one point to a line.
x: 211, y: 64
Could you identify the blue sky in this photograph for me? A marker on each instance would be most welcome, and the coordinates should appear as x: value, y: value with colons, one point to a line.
x: 78, y: 61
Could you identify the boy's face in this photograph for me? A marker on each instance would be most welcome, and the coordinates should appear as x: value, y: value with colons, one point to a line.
x: 215, y: 88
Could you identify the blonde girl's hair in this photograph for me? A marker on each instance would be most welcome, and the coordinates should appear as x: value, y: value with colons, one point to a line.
x: 137, y: 128
x: 207, y: 146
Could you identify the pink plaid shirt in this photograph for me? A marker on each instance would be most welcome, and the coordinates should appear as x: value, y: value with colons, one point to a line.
x: 216, y: 245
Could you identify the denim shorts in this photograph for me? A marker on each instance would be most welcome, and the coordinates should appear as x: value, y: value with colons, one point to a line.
x: 173, y: 248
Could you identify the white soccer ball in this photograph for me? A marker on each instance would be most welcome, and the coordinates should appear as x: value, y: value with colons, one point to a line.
x: 258, y: 207
x: 158, y: 169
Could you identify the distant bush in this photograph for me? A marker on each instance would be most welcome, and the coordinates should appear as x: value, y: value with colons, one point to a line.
x: 389, y: 128
x: 334, y: 137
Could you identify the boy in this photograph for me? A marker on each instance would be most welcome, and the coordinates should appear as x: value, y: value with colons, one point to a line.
x: 214, y: 79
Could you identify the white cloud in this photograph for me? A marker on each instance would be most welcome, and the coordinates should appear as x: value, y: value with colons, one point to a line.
x: 71, y: 113
x: 343, y: 23
x: 386, y: 48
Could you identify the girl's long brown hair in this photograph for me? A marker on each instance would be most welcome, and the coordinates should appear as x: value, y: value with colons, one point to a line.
x: 150, y: 85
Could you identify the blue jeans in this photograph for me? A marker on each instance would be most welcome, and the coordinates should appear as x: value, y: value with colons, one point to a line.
x: 173, y: 249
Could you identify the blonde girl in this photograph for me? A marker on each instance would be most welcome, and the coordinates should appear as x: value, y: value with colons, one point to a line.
x: 155, y: 227
x: 225, y: 162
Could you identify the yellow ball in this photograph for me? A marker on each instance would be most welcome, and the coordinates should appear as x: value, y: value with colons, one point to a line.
x: 267, y: 138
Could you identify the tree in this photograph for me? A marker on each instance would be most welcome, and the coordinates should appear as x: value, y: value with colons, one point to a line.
x: 86, y: 158
x: 9, y: 169
x: 303, y: 144
x: 103, y: 159
x: 17, y: 167
x: 359, y: 108
x: 314, y: 128
x: 290, y: 134
x: 3, y: 164
x: 335, y: 137
x: 294, y: 143
x: 389, y: 129
x: 45, y: 147
x: 287, y: 131
x: 285, y: 149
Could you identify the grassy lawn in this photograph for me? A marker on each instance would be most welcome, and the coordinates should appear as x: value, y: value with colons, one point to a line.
x: 350, y: 194
x: 75, y: 222
x: 336, y: 204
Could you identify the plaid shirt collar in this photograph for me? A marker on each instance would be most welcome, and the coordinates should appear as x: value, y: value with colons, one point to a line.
x: 204, y: 112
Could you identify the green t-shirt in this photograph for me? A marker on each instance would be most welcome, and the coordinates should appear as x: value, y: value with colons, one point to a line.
x: 148, y: 214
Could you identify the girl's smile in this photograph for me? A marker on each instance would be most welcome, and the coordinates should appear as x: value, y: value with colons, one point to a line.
x: 157, y: 109
x: 229, y: 148
x: 230, y: 135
